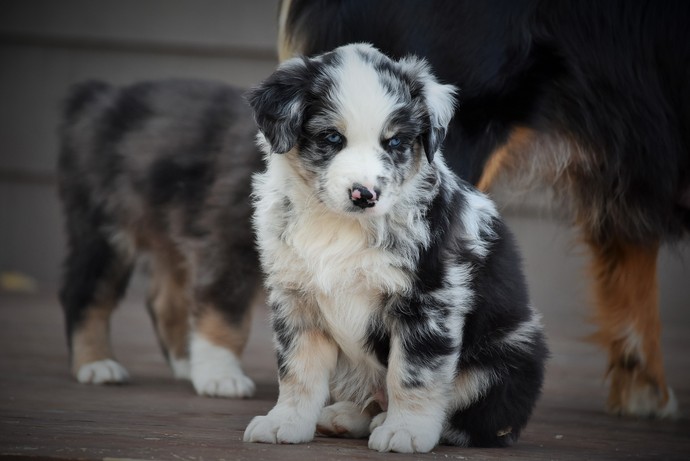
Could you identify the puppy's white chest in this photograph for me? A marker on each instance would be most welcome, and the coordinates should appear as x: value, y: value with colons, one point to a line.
x: 347, y: 319
x: 335, y: 256
x: 330, y: 258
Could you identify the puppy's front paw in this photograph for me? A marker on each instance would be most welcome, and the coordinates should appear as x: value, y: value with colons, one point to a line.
x: 403, y: 438
x: 271, y: 429
x: 105, y: 371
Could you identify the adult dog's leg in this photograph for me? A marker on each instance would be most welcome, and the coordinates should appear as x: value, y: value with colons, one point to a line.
x: 628, y: 317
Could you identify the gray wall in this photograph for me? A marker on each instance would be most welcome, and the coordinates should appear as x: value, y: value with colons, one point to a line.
x: 46, y: 45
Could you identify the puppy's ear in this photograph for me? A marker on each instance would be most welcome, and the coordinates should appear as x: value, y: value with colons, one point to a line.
x: 279, y: 104
x: 438, y: 100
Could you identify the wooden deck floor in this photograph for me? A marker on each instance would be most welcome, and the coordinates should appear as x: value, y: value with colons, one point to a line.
x: 45, y: 413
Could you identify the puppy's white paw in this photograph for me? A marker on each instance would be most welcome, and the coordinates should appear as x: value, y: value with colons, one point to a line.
x: 404, y: 438
x: 343, y: 419
x: 105, y: 371
x: 377, y: 421
x: 216, y: 371
x: 224, y: 385
x: 181, y: 368
x: 273, y: 429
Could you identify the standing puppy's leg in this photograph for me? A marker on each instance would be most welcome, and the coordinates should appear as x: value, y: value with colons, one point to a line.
x: 221, y: 324
x: 215, y: 351
x: 95, y: 278
x: 628, y: 316
x: 169, y: 307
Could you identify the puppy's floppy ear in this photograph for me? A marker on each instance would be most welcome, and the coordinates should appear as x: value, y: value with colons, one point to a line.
x: 438, y: 99
x: 279, y: 104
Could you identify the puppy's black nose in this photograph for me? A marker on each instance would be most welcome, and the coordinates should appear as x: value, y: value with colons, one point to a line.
x: 363, y: 196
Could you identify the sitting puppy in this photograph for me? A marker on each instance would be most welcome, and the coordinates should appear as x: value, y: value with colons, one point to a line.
x: 161, y: 168
x: 396, y: 289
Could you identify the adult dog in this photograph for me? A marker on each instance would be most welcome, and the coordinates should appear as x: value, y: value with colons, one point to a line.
x: 393, y: 284
x: 589, y: 98
x: 160, y: 168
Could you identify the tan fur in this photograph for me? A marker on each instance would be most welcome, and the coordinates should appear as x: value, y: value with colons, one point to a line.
x: 170, y: 303
x: 626, y: 297
x: 91, y: 341
x: 287, y: 47
x: 314, y: 354
x: 625, y: 280
x: 503, y: 157
x: 214, y: 328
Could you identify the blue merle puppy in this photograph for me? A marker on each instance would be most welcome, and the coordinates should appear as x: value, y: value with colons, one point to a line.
x: 396, y: 289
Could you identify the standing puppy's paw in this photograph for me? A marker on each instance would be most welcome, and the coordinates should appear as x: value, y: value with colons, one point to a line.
x: 272, y: 429
x: 216, y: 371
x: 105, y: 371
x: 343, y: 419
x: 404, y: 438
x: 223, y: 383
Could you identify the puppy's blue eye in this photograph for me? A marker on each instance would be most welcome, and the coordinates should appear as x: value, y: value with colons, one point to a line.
x: 334, y: 138
x: 394, y: 142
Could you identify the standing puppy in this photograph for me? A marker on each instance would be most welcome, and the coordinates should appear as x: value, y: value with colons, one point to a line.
x: 396, y: 289
x: 161, y: 168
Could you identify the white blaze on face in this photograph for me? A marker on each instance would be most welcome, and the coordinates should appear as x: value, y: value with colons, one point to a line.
x: 364, y: 106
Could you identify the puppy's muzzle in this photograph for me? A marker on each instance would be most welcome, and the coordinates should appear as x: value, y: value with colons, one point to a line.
x: 364, y: 197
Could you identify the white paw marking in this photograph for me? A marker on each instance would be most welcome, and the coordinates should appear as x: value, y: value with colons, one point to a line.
x: 275, y: 429
x: 216, y: 371
x: 181, y: 368
x: 645, y: 402
x: 105, y: 371
x: 418, y: 437
x: 344, y: 419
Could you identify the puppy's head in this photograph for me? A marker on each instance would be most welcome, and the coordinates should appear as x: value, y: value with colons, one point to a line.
x: 354, y: 123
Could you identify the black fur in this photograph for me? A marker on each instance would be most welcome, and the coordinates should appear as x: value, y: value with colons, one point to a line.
x: 611, y: 74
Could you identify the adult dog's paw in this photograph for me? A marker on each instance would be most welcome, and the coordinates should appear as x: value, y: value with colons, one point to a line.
x: 271, y: 429
x: 105, y: 371
x: 403, y: 438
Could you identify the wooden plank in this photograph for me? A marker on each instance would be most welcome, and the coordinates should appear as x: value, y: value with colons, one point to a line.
x: 44, y: 413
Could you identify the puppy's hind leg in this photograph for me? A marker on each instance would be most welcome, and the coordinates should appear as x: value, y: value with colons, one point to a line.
x: 344, y: 419
x: 169, y: 307
x: 222, y: 321
x: 95, y: 277
x: 630, y: 328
